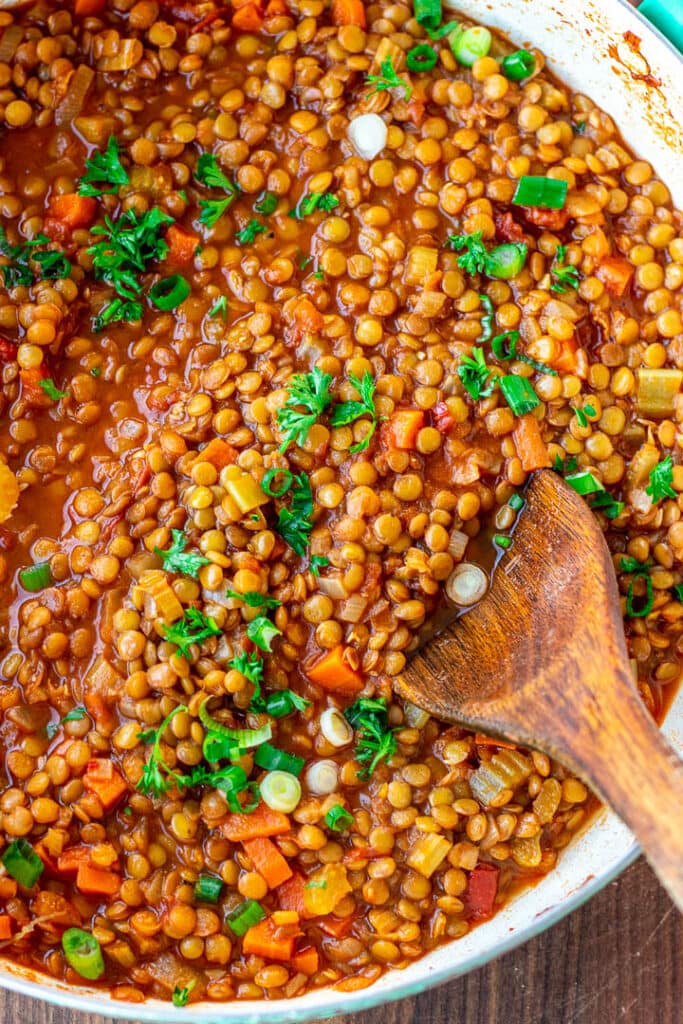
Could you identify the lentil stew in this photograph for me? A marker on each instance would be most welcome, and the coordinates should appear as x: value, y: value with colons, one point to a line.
x: 295, y: 298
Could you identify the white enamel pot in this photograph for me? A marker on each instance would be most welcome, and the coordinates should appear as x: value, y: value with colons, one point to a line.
x: 605, y: 49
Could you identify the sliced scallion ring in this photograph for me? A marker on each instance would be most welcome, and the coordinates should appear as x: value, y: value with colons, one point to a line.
x: 83, y: 953
x: 278, y: 490
x: 518, y: 66
x: 470, y: 45
x: 421, y: 58
x: 281, y: 791
x: 169, y: 292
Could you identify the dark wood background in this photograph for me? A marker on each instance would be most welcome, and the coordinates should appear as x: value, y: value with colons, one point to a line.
x: 617, y: 960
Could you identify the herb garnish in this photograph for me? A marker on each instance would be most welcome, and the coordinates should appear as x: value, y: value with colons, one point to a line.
x: 388, y: 79
x: 638, y: 571
x: 581, y: 416
x: 220, y: 308
x: 310, y: 391
x: 503, y: 261
x: 117, y: 310
x: 253, y: 599
x: 75, y: 715
x: 294, y: 523
x: 660, y: 485
x: 487, y: 319
x: 104, y: 168
x: 318, y: 562
x: 262, y: 632
x: 248, y: 234
x: 191, y: 629
x: 52, y: 263
x: 251, y: 667
x: 313, y: 201
x: 157, y: 778
x: 176, y: 559
x: 376, y: 741
x: 181, y: 995
x: 474, y: 374
x: 348, y: 412
x: 49, y: 387
x: 678, y: 591
x: 266, y: 203
x: 209, y: 173
x: 566, y: 276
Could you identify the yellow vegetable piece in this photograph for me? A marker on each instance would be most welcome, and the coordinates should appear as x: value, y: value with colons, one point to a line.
x: 325, y: 888
x: 428, y: 852
x: 657, y: 390
x: 9, y: 492
x: 160, y: 601
x: 243, y: 489
x: 422, y: 262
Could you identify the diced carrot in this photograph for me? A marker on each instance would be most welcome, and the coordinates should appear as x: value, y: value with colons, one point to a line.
x: 219, y: 453
x: 480, y: 894
x: 348, y: 12
x: 403, y: 427
x: 102, y: 778
x: 333, y: 672
x: 181, y: 245
x: 442, y: 418
x: 100, y: 710
x: 46, y: 857
x: 97, y: 881
x: 337, y: 927
x: 267, y: 860
x: 306, y: 961
x: 31, y: 390
x: 276, y: 8
x: 70, y: 860
x: 566, y: 361
x: 555, y: 220
x: 8, y: 351
x: 9, y: 886
x: 88, y: 8
x: 290, y: 895
x: 307, y: 317
x: 529, y: 444
x: 73, y: 210
x: 248, y: 18
x: 615, y: 272
x: 270, y: 940
x: 6, y: 928
x: 261, y: 822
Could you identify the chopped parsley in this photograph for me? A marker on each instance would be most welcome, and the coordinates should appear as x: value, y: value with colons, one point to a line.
x: 348, y: 412
x: 318, y: 562
x: 49, y: 387
x: 209, y: 173
x: 319, y: 275
x: 220, y: 308
x: 104, y: 169
x: 678, y: 591
x: 157, y: 778
x: 294, y: 523
x: 181, y: 995
x: 565, y: 276
x: 191, y: 629
x: 305, y: 391
x: 503, y: 261
x: 19, y: 272
x: 660, y: 485
x: 581, y: 416
x: 213, y: 209
x: 474, y: 374
x: 253, y: 599
x: 251, y: 667
x: 313, y: 201
x: 176, y: 559
x: 388, y: 79
x: 248, y: 234
x: 262, y: 632
x: 375, y: 742
x: 266, y: 203
x: 75, y: 715
x: 95, y: 372
x: 117, y: 310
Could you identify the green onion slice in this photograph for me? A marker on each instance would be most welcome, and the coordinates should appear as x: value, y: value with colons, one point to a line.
x: 22, y: 862
x: 519, y: 394
x: 36, y: 577
x: 83, y: 953
x: 516, y: 502
x: 505, y: 345
x: 506, y: 261
x: 208, y: 888
x: 421, y: 58
x: 244, y: 917
x: 272, y: 759
x: 284, y: 702
x: 470, y: 44
x: 281, y: 791
x: 646, y: 608
x: 533, y: 190
x: 519, y: 65
x: 584, y: 483
x: 338, y: 818
x: 276, y: 491
x: 242, y: 738
x: 502, y: 541
x: 428, y: 13
x: 169, y: 292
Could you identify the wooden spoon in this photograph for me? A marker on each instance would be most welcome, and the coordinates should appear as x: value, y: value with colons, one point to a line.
x: 542, y: 661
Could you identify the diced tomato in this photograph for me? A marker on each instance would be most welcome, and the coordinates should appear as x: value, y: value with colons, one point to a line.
x: 31, y: 390
x: 8, y: 351
x: 442, y: 418
x: 507, y: 227
x: 480, y: 894
x: 73, y: 210
x: 555, y: 220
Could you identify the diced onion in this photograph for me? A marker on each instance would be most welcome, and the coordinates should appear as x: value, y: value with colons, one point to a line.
x: 414, y: 716
x: 281, y: 791
x: 368, y: 135
x: 457, y: 544
x: 333, y: 587
x: 72, y: 104
x: 128, y: 55
x: 9, y: 43
x: 467, y: 584
x: 335, y: 728
x: 322, y: 777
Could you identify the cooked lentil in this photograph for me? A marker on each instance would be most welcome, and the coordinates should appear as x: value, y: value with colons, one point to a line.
x: 169, y: 422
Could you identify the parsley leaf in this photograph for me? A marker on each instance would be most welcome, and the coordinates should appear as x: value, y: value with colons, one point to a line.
x: 262, y: 632
x: 310, y: 391
x: 117, y: 310
x: 191, y: 629
x: 474, y: 374
x: 253, y: 599
x: 376, y: 742
x: 181, y: 995
x: 128, y: 245
x: 266, y: 203
x: 51, y: 390
x: 209, y: 173
x: 157, y: 778
x: 348, y: 412
x: 175, y: 559
x: 313, y: 201
x: 220, y: 308
x: 609, y: 506
x: 477, y: 259
x: 660, y: 485
x: 19, y: 272
x: 316, y: 563
x: 581, y: 416
x: 104, y: 168
x: 294, y: 523
x: 251, y: 667
x: 212, y: 210
x: 565, y: 276
x: 248, y: 235
x: 388, y: 79
x: 75, y: 715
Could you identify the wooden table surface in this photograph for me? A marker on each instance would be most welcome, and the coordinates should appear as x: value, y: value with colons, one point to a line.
x: 616, y: 960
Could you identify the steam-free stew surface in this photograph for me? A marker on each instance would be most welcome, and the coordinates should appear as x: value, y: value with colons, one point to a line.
x: 213, y: 568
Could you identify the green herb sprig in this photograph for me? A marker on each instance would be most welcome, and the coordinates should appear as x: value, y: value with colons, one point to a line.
x: 193, y: 628
x: 309, y: 392
x: 660, y: 484
x: 376, y: 742
x: 388, y: 78
x: 565, y: 276
x: 176, y: 559
x: 104, y: 169
x: 348, y: 412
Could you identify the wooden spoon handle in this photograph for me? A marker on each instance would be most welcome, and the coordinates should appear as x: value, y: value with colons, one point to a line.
x: 634, y: 769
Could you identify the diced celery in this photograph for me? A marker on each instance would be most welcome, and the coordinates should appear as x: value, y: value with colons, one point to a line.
x: 657, y: 390
x: 507, y: 769
x: 427, y: 853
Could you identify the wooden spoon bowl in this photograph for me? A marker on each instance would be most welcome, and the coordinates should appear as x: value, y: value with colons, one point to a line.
x: 541, y: 661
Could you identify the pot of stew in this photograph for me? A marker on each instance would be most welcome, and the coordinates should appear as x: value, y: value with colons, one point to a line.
x: 295, y: 297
